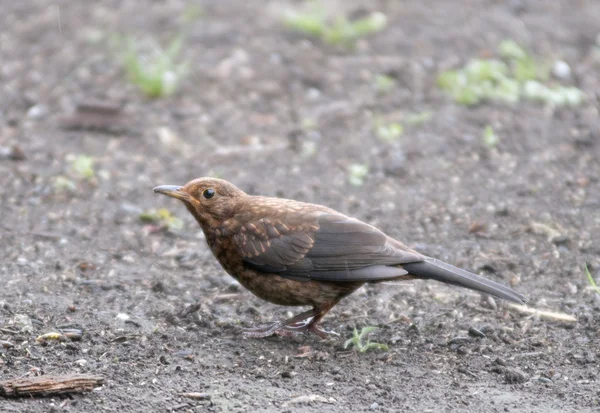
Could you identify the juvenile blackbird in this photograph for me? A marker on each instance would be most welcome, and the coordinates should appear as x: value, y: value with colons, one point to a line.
x: 299, y: 254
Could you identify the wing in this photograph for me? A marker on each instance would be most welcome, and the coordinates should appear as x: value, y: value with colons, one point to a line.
x: 323, y: 246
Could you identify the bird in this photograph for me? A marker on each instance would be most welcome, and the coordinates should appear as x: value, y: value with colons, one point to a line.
x: 294, y: 253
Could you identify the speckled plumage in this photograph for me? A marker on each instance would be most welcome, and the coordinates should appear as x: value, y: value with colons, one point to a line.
x: 294, y: 253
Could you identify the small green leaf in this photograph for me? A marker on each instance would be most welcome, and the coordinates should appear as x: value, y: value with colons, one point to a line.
x: 510, y: 50
x: 384, y: 83
x: 591, y: 279
x: 489, y: 137
x: 366, y: 330
x: 389, y: 132
x: 83, y: 166
x: 161, y: 217
x: 357, y: 341
x: 495, y: 80
x: 339, y: 31
x: 377, y: 346
x: 415, y: 119
x: 357, y: 173
x: 62, y: 183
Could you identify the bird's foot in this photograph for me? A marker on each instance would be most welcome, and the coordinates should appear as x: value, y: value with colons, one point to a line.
x: 289, y: 328
x: 264, y: 330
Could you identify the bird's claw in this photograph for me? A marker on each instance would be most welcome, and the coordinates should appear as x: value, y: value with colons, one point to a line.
x: 286, y: 330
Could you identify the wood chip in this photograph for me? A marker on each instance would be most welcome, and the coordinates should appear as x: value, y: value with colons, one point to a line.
x: 196, y: 396
x: 97, y: 115
x: 49, y: 385
x: 545, y: 315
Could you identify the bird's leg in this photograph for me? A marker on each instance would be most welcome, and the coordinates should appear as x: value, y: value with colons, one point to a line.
x: 315, y: 327
x: 301, y: 323
x: 284, y: 328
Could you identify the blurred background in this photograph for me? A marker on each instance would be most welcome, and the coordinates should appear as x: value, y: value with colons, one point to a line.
x: 467, y: 129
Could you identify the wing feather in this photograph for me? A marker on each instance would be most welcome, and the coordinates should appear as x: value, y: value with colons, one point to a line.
x: 334, y: 248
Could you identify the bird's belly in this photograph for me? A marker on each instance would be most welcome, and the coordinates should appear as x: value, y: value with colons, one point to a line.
x: 283, y: 291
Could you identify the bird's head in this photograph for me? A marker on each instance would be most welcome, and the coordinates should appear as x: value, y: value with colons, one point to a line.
x: 209, y: 200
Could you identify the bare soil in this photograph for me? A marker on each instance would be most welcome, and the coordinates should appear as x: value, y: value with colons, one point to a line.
x: 283, y: 116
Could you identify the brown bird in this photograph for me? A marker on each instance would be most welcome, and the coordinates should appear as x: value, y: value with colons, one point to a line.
x: 299, y: 254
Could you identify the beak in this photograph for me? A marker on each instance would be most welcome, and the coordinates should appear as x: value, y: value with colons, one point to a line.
x: 173, y: 191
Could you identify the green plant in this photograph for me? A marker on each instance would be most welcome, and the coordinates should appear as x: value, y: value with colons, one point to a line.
x: 357, y: 341
x: 383, y: 83
x: 357, y: 173
x: 591, y: 279
x: 389, y: 132
x: 340, y: 31
x: 156, y: 71
x: 418, y: 118
x: 163, y: 218
x: 517, y: 76
x: 83, y: 167
x: 62, y: 183
x: 490, y: 139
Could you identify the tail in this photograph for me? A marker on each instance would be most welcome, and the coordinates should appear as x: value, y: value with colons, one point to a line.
x: 440, y: 271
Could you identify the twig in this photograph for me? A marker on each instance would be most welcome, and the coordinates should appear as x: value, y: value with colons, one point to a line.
x: 547, y: 315
x: 196, y: 396
x: 49, y: 385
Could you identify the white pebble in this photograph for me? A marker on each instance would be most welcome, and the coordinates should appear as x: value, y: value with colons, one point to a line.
x: 561, y: 69
x: 37, y: 112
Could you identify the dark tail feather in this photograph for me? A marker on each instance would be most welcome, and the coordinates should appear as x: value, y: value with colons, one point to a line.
x: 440, y: 271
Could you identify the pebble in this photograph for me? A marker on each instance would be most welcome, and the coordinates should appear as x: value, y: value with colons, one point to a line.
x: 560, y: 240
x: 473, y: 332
x: 374, y: 406
x: 23, y: 321
x: 122, y: 317
x: 463, y: 351
x: 287, y: 374
x: 37, y: 111
x: 544, y: 380
x: 561, y: 69
x: 513, y: 376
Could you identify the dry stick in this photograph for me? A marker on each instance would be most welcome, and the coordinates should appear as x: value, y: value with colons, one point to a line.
x: 196, y: 396
x: 547, y: 315
x: 49, y: 385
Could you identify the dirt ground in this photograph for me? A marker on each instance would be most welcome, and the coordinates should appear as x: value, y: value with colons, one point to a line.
x: 283, y: 116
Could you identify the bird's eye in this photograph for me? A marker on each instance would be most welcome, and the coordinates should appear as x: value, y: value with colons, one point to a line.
x: 208, y: 193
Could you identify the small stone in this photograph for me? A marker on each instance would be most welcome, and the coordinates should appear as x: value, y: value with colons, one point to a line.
x: 560, y: 240
x: 81, y: 362
x: 37, y: 111
x: 561, y: 69
x: 128, y: 259
x: 502, y: 211
x: 23, y: 321
x: 287, y: 374
x: 463, y: 351
x: 374, y: 406
x: 473, y: 332
x: 514, y: 376
x: 122, y: 317
x: 544, y: 380
x: 313, y: 94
